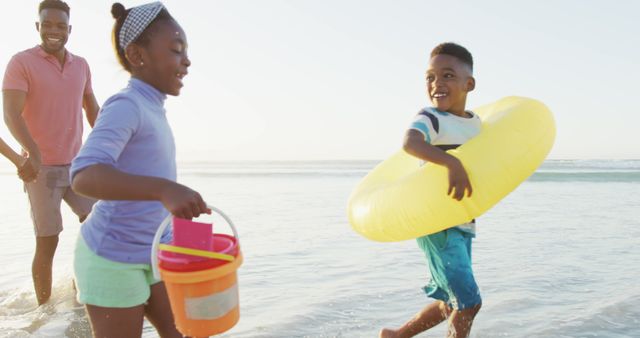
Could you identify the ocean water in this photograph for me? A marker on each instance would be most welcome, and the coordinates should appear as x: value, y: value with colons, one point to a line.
x: 559, y: 257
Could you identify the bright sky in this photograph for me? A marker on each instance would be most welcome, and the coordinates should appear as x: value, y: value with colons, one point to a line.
x: 338, y: 79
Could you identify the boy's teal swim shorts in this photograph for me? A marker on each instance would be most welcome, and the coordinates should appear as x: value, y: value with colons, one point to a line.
x: 449, y: 255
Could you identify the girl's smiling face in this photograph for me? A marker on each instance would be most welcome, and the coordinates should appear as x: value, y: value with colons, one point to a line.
x: 164, y: 61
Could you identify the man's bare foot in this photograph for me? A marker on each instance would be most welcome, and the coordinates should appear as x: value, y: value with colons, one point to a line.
x: 388, y: 333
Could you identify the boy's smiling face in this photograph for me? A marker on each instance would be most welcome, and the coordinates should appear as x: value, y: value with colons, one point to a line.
x: 448, y: 82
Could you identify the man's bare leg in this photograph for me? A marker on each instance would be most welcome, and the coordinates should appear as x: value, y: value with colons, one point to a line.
x: 42, y: 267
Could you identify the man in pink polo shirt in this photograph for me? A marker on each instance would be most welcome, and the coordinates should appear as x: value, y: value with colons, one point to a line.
x: 44, y: 90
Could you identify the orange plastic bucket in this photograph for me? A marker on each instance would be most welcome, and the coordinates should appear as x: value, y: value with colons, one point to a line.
x: 205, y: 302
x: 221, y: 243
x: 204, y: 297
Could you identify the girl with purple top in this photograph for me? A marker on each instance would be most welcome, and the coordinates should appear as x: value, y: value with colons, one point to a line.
x: 128, y: 163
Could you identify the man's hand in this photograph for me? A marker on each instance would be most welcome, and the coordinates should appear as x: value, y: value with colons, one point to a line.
x: 30, y: 168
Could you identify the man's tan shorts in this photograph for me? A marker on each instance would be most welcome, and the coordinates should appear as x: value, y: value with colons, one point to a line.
x: 45, y: 196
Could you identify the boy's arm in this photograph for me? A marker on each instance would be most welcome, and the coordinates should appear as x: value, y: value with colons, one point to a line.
x: 414, y: 144
x: 13, y: 104
x: 91, y: 108
x: 102, y: 181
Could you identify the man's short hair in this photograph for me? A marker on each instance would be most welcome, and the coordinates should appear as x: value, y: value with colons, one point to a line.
x: 54, y: 4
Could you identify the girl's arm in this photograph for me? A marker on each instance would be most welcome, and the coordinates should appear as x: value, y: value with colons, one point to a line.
x: 14, y: 157
x: 104, y: 182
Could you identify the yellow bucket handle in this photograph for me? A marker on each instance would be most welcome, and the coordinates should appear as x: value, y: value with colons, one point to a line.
x: 195, y: 252
x: 156, y: 245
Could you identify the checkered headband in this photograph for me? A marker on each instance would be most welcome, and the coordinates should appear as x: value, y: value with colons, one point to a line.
x: 137, y: 21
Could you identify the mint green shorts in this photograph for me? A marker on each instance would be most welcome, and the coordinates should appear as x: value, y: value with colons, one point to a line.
x: 106, y: 283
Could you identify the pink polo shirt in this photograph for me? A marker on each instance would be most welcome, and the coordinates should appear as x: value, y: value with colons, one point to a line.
x: 53, y: 107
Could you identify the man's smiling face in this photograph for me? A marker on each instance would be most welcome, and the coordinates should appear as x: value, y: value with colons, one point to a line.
x: 54, y: 29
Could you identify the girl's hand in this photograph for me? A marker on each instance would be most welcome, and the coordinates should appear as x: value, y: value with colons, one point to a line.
x: 183, y: 202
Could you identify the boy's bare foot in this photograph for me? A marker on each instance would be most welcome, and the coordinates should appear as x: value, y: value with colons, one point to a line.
x: 388, y: 333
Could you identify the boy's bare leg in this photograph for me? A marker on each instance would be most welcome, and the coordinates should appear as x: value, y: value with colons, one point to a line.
x: 460, y: 322
x: 432, y: 315
x: 42, y: 267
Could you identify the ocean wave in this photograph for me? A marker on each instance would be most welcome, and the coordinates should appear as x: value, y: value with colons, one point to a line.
x: 278, y: 174
x: 594, y: 165
x: 612, y: 318
x: 550, y: 171
x: 586, y: 176
x: 20, y: 316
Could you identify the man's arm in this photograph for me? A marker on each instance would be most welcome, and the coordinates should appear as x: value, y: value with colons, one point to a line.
x: 13, y: 104
x: 415, y: 145
x: 91, y: 108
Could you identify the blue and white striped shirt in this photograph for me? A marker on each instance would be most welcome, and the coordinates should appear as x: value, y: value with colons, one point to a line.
x: 447, y: 131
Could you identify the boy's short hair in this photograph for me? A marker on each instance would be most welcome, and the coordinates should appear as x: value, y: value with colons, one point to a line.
x: 54, y: 4
x: 453, y: 49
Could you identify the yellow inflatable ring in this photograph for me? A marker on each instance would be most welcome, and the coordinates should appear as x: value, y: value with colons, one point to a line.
x: 400, y: 200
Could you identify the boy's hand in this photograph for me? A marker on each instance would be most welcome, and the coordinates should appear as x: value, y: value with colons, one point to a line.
x: 458, y: 180
x: 183, y: 202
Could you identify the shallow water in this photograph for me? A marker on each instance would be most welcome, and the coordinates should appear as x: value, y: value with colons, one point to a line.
x: 556, y: 258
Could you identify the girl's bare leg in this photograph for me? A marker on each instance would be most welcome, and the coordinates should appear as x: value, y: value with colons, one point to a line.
x: 116, y: 322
